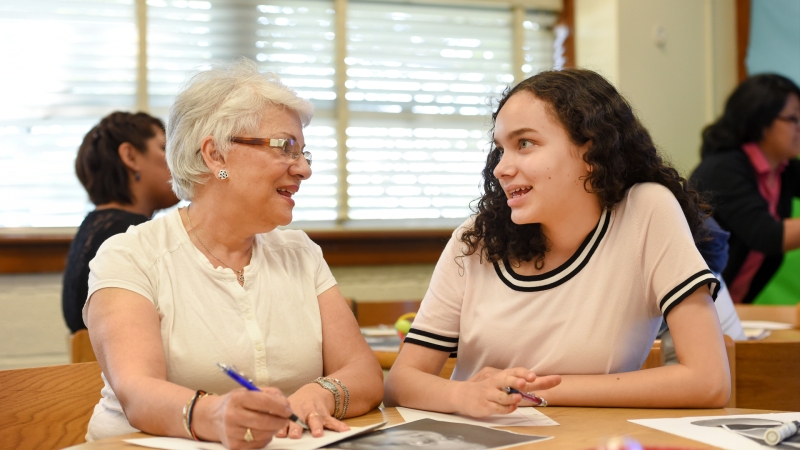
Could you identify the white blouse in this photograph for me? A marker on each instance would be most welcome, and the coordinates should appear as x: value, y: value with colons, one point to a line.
x: 270, y: 328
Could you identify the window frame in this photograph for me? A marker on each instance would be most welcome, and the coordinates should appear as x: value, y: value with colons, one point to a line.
x: 344, y: 242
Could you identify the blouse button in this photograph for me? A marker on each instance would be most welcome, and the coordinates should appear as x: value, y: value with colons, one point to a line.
x: 249, y: 317
x: 259, y: 347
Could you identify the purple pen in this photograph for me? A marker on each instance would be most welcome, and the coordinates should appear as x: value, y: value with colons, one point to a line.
x: 529, y: 396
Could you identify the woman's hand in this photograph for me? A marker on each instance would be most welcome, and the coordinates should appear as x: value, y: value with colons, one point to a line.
x: 483, y: 394
x: 227, y: 418
x: 314, y: 405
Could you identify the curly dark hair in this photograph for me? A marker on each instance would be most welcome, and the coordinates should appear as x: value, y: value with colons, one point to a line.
x: 98, y: 165
x: 751, y: 108
x: 621, y: 154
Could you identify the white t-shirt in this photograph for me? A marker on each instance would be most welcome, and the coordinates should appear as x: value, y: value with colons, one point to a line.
x: 597, y: 313
x: 270, y: 328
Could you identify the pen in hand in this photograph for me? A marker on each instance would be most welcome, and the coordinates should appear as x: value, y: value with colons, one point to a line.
x: 239, y: 378
x: 537, y: 401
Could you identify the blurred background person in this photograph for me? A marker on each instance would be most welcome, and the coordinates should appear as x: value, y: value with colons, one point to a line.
x: 750, y: 174
x: 121, y: 164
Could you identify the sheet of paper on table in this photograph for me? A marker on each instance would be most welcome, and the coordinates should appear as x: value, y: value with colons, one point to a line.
x: 306, y: 442
x: 712, y: 433
x: 522, y: 417
x: 759, y: 329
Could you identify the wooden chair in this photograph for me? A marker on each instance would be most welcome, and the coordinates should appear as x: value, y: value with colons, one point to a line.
x: 47, y: 407
x: 369, y: 314
x: 772, y: 313
x: 766, y: 375
x: 656, y: 356
x: 730, y: 350
x: 81, y: 347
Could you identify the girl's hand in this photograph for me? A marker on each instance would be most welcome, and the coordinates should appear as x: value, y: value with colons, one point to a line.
x: 229, y: 416
x: 483, y: 394
x: 314, y: 405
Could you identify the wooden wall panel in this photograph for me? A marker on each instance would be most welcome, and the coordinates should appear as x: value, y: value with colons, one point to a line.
x: 33, y: 254
x: 742, y: 36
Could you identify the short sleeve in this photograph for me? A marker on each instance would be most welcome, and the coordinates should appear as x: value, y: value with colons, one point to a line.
x: 437, y: 323
x: 672, y: 266
x: 323, y: 278
x: 121, y: 263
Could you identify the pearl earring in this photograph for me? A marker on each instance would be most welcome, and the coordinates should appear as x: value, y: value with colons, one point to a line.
x: 223, y: 174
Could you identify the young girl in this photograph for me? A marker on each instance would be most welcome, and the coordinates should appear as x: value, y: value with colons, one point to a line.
x: 582, y: 241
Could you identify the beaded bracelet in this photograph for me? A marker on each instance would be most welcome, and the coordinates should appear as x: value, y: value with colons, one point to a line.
x: 188, y: 409
x: 326, y: 384
x: 346, y: 397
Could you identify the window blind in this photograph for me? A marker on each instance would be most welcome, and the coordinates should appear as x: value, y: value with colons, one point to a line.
x: 420, y: 82
x: 289, y: 38
x: 66, y: 64
x: 296, y: 41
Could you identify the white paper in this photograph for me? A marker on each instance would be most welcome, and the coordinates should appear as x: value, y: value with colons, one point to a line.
x: 765, y: 325
x: 306, y: 442
x: 717, y: 437
x: 522, y: 417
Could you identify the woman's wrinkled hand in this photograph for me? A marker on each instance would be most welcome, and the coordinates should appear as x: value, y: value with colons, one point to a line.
x: 484, y: 393
x: 264, y: 413
x: 314, y: 405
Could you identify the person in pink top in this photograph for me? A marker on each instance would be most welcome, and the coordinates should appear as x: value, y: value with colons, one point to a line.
x: 581, y: 244
x: 750, y: 173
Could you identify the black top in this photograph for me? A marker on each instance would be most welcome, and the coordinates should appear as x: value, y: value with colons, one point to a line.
x: 730, y: 182
x: 98, y: 226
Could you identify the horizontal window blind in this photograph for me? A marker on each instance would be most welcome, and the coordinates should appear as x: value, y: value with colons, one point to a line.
x: 420, y: 79
x: 289, y: 38
x: 539, y: 45
x: 66, y: 65
x: 296, y: 41
x: 420, y: 82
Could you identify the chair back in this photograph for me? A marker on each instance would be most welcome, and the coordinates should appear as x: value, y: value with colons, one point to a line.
x: 655, y: 358
x: 369, y: 314
x: 730, y: 350
x: 768, y: 375
x: 47, y: 407
x: 81, y: 347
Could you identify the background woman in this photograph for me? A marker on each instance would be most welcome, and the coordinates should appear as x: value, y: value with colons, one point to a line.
x: 750, y: 172
x: 216, y: 282
x: 121, y: 165
x: 582, y: 241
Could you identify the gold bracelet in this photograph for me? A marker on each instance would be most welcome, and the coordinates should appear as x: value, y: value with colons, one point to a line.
x: 325, y: 383
x: 346, y: 397
x: 186, y: 415
x: 188, y: 410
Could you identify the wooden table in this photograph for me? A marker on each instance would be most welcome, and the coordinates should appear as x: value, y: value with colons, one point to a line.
x: 580, y: 428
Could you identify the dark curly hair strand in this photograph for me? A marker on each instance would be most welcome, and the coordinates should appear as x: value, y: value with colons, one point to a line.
x: 621, y: 154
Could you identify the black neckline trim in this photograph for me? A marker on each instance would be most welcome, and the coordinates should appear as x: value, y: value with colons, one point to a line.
x: 593, y: 238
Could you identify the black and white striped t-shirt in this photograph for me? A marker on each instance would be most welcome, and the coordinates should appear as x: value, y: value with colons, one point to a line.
x: 597, y: 313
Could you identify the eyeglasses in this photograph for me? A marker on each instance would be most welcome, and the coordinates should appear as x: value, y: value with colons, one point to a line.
x: 791, y: 119
x: 289, y: 147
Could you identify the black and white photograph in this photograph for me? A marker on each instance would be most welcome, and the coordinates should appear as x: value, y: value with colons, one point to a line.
x: 433, y: 434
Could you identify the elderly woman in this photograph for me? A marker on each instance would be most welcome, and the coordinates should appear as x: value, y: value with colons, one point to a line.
x: 217, y: 283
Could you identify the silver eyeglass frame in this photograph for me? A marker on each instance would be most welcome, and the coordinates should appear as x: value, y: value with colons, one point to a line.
x: 285, y: 144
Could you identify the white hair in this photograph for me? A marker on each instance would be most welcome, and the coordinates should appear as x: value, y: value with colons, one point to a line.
x: 225, y: 101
